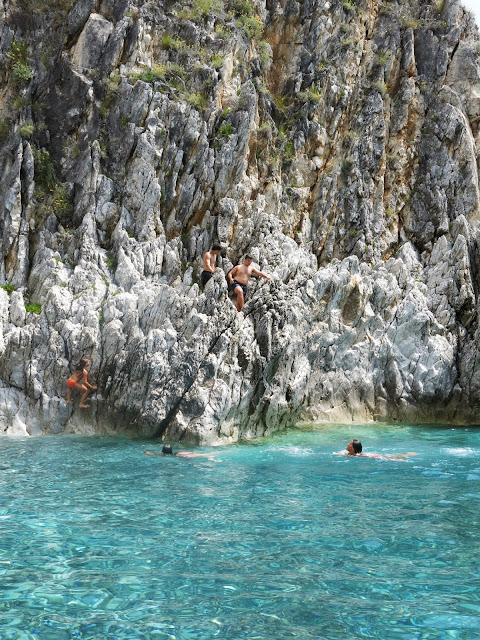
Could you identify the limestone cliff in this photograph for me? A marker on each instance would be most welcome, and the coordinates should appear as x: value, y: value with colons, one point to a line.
x: 335, y: 141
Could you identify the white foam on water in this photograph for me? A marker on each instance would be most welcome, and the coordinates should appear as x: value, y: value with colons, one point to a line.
x: 462, y: 452
x: 294, y: 451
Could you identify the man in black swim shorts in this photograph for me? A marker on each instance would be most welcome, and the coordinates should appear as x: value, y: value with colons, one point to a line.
x: 209, y: 260
x: 238, y: 279
x: 239, y: 284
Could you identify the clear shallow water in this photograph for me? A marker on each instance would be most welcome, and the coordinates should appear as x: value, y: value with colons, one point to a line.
x: 279, y: 540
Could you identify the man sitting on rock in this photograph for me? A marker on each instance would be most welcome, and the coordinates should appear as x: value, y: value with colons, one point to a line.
x: 238, y: 279
x: 209, y: 267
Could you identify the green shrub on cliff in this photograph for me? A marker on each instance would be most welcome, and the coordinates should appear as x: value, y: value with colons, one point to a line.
x: 111, y: 90
x: 222, y: 32
x: 196, y: 100
x: 172, y: 44
x: 60, y: 201
x: 382, y: 58
x: 217, y: 61
x: 174, y: 70
x: 21, y: 71
x: 33, y: 307
x: 411, y: 23
x: 251, y: 25
x: 381, y: 87
x: 52, y: 195
x: 289, y: 151
x: 157, y: 72
x: 309, y: 95
x: 8, y: 288
x: 240, y: 8
x: 111, y: 261
x: 349, y: 6
x: 4, y: 129
x: 26, y: 130
x: 226, y: 130
x: 202, y: 8
x: 264, y: 52
x: 44, y: 171
x: 21, y: 74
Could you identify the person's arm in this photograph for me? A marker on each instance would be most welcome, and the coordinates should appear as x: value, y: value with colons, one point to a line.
x: 231, y: 274
x: 150, y: 453
x: 212, y: 261
x: 86, y: 382
x: 259, y: 273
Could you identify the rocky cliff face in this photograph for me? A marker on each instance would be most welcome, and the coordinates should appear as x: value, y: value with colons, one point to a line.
x: 335, y: 141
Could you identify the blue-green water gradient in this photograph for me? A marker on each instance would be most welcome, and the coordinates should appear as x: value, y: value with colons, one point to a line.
x: 280, y: 539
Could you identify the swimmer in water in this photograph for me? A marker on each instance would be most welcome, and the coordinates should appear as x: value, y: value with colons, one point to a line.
x: 168, y: 451
x: 354, y: 448
x: 79, y: 380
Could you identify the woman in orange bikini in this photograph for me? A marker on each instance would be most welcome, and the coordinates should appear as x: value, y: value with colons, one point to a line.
x: 78, y: 380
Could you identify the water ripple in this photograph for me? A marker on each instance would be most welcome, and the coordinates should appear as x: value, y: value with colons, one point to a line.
x: 281, y: 540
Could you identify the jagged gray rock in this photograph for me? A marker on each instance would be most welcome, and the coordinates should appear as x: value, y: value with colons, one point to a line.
x: 339, y: 149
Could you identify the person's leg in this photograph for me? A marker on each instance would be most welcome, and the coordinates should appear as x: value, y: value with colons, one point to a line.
x: 205, y: 277
x: 69, y: 393
x: 86, y: 391
x: 240, y: 299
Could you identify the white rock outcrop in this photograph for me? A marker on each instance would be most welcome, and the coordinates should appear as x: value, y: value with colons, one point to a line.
x: 339, y: 149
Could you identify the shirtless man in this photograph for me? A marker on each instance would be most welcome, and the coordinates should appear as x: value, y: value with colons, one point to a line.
x: 238, y: 279
x: 209, y: 260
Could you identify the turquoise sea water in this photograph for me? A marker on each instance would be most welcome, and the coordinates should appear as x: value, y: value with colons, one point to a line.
x: 281, y: 539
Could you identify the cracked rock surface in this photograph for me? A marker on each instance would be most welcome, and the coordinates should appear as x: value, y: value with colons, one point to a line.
x: 337, y: 142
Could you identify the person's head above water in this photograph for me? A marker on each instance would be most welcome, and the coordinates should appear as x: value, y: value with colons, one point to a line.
x: 354, y: 447
x: 167, y: 450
